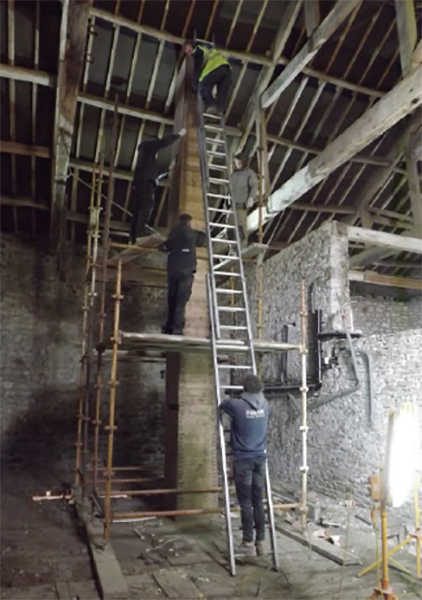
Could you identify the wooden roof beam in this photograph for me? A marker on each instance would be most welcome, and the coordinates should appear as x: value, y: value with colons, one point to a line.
x: 378, y: 279
x: 396, y: 104
x: 28, y: 75
x: 408, y: 36
x: 291, y: 12
x: 250, y: 57
x: 329, y: 25
x: 73, y: 34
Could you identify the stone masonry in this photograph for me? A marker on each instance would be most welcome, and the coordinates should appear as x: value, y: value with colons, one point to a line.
x: 344, y: 447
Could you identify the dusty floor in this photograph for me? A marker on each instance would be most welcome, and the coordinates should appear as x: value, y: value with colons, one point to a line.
x: 44, y: 556
x: 43, y: 550
x: 163, y: 559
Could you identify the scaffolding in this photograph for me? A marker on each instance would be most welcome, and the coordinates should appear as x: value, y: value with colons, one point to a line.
x: 103, y: 282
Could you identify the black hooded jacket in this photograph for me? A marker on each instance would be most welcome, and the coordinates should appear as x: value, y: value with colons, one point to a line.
x: 181, y: 245
x: 146, y: 165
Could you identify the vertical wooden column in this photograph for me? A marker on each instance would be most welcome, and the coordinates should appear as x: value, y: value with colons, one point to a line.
x: 191, y: 441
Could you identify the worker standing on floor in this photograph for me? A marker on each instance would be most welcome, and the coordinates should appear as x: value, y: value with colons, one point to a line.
x: 211, y: 69
x: 144, y: 183
x: 248, y: 440
x: 244, y: 187
x: 181, y: 267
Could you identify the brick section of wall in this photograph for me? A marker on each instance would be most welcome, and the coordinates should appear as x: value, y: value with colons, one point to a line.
x: 375, y: 314
x: 41, y: 345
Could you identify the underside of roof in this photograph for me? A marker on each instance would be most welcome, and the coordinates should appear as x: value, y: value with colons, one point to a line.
x: 131, y: 55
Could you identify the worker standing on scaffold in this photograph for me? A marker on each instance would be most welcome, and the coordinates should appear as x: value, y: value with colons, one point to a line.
x: 181, y: 268
x: 211, y: 68
x: 142, y: 195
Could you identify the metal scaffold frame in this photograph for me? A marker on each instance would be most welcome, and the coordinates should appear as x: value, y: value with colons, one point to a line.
x: 98, y: 348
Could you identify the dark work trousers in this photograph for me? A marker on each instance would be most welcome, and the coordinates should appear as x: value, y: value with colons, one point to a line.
x: 179, y: 291
x: 249, y: 479
x: 220, y: 77
x: 141, y: 205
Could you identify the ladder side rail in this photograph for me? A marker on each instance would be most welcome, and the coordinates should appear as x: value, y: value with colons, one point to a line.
x: 213, y: 308
x: 229, y: 531
x: 271, y: 520
x: 242, y: 271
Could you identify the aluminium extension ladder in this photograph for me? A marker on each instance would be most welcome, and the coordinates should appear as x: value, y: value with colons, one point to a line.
x: 226, y: 304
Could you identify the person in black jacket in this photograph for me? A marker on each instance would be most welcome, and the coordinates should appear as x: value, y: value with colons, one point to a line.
x: 248, y: 441
x: 145, y: 183
x: 181, y: 267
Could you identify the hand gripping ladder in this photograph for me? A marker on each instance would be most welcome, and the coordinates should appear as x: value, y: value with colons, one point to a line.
x: 228, y: 306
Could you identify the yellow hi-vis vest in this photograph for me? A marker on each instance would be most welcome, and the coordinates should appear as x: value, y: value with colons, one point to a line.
x: 212, y: 60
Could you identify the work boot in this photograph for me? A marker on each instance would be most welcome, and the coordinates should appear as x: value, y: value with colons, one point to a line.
x: 246, y: 549
x: 177, y: 332
x: 260, y: 548
x: 211, y: 109
x: 166, y: 329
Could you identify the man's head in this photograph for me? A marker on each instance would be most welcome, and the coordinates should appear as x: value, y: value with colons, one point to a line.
x: 240, y: 161
x: 188, y: 47
x: 186, y: 220
x: 252, y: 384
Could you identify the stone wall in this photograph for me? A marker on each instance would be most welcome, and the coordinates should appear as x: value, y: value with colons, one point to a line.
x: 375, y: 314
x: 41, y: 345
x: 344, y: 447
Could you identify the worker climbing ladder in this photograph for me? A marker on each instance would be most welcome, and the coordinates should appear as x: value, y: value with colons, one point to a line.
x: 228, y: 306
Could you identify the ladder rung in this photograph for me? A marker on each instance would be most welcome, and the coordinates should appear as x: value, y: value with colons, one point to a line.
x: 224, y: 291
x: 234, y: 367
x: 234, y: 327
x: 222, y: 225
x: 212, y: 127
x: 218, y: 167
x: 232, y: 387
x: 218, y: 181
x: 226, y: 273
x: 225, y: 257
x: 230, y: 309
x: 212, y: 153
x: 214, y: 195
x: 211, y: 116
x: 214, y: 141
x: 221, y: 210
x: 221, y: 241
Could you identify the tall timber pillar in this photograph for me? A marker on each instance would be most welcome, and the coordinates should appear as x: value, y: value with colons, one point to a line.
x: 191, y: 441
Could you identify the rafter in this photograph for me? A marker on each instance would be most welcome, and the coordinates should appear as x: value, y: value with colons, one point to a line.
x: 340, y: 12
x: 408, y: 35
x: 71, y: 58
x: 291, y: 12
x: 395, y: 105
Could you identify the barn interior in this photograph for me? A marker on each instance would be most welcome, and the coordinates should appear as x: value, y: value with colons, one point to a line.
x: 117, y: 473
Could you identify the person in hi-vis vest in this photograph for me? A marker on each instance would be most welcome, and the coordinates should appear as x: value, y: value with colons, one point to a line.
x: 211, y: 68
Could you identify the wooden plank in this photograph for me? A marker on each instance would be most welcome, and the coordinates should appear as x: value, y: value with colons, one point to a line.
x: 63, y: 590
x: 23, y: 202
x: 29, y: 75
x: 176, y: 584
x: 340, y: 12
x: 378, y: 279
x: 320, y: 546
x: 400, y: 101
x: 408, y: 34
x: 74, y: 29
x: 152, y: 241
x: 385, y: 240
x: 291, y: 12
x: 25, y: 149
x: 312, y: 16
x: 111, y: 581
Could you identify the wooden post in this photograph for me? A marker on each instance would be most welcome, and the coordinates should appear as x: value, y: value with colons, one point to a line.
x: 190, y: 452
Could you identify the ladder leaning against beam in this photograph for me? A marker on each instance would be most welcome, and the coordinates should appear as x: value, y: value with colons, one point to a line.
x: 230, y: 323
